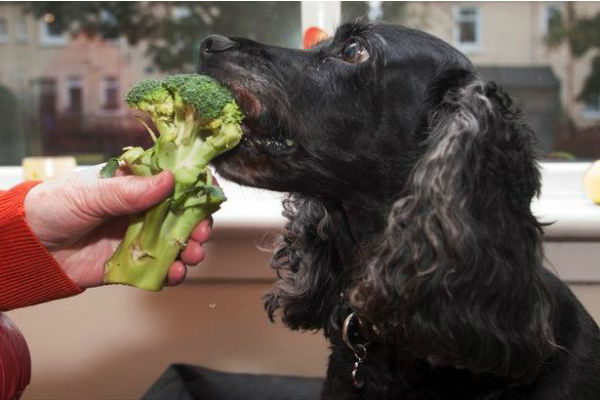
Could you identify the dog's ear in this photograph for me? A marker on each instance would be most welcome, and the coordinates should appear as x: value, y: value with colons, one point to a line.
x: 308, y: 267
x: 458, y: 274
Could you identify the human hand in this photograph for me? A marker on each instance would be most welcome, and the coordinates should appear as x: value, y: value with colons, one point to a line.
x: 81, y: 219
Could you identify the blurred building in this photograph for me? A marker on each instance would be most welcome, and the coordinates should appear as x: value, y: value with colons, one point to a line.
x: 69, y: 90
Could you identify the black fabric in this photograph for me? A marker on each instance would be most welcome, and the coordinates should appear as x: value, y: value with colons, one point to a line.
x: 188, y: 382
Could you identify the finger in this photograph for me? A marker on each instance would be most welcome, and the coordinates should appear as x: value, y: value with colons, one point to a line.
x: 192, y: 254
x: 176, y: 273
x: 202, y: 232
x: 127, y: 195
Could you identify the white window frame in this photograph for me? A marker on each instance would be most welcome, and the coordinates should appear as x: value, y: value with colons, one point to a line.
x: 467, y: 47
x: 4, y: 37
x: 47, y: 39
x: 22, y: 28
x: 180, y: 12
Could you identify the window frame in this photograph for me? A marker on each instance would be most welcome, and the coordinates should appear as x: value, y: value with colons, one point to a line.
x: 70, y: 83
x: 45, y: 82
x: 22, y: 22
x: 104, y: 86
x: 47, y: 39
x: 467, y: 47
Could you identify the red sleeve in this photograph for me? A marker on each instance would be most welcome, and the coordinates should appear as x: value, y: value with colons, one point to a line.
x: 28, y: 273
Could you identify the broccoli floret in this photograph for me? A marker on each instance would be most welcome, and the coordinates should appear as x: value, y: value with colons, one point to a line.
x: 197, y: 119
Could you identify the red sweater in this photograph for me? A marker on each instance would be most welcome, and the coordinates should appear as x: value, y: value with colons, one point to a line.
x: 28, y: 273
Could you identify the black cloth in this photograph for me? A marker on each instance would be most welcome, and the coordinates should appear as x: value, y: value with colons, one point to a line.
x: 188, y: 382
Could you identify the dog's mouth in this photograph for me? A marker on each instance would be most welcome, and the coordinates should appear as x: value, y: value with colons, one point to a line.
x: 261, y: 129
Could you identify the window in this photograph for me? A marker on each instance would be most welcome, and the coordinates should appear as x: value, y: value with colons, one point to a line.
x: 110, y: 94
x: 70, y: 94
x: 3, y: 30
x: 467, y: 28
x: 551, y: 18
x: 75, y: 96
x: 47, y: 103
x: 591, y: 108
x: 50, y: 32
x: 22, y: 28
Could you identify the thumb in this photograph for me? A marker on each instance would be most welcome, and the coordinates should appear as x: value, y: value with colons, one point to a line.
x: 126, y: 195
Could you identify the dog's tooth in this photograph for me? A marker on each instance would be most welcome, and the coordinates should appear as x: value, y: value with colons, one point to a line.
x: 290, y: 143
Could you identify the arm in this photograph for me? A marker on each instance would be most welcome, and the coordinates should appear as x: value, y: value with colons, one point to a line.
x: 28, y: 273
x: 55, y: 237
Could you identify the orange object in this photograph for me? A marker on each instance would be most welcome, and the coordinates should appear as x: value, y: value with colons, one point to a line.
x: 313, y: 36
x: 28, y: 272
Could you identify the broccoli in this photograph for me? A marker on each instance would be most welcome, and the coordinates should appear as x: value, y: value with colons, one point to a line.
x: 197, y: 119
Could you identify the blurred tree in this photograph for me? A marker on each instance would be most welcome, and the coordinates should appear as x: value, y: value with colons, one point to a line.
x: 391, y: 11
x: 581, y: 34
x: 173, y: 30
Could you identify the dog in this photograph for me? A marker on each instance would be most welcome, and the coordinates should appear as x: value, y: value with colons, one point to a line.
x: 410, y: 241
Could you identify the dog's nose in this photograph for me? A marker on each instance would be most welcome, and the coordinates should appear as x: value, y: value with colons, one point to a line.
x: 216, y: 44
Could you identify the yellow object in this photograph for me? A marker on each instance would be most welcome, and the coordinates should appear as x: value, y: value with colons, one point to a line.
x: 591, y: 182
x: 43, y: 168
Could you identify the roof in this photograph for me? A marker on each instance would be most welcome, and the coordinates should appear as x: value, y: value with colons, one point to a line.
x: 521, y: 77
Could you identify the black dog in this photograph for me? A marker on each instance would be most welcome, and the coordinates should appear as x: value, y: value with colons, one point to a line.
x: 410, y: 184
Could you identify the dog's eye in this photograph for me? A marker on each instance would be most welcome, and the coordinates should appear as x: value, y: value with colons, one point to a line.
x: 355, y: 53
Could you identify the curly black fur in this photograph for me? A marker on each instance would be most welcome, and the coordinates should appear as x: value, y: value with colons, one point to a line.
x: 411, y: 181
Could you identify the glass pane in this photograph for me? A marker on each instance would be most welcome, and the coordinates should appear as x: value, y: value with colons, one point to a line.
x: 3, y: 27
x: 554, y: 18
x: 468, y: 12
x: 593, y: 103
x: 111, y: 94
x: 75, y: 100
x: 45, y: 114
x: 54, y: 29
x: 63, y: 94
x: 467, y: 32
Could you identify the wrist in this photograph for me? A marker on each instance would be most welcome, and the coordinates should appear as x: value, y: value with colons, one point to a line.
x: 31, y: 205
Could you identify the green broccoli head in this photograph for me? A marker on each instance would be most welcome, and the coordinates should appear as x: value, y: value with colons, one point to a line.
x: 194, y: 100
x: 204, y: 95
x: 152, y: 97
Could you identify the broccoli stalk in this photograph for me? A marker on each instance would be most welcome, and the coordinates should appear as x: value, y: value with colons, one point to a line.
x: 197, y: 119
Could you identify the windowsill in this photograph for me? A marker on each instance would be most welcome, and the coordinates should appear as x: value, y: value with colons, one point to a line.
x: 562, y: 203
x: 469, y: 49
x: 591, y: 115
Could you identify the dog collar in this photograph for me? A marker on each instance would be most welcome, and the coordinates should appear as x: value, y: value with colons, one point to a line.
x: 354, y: 336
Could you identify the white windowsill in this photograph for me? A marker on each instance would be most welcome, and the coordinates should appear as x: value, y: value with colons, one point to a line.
x: 591, y: 114
x: 563, y: 202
